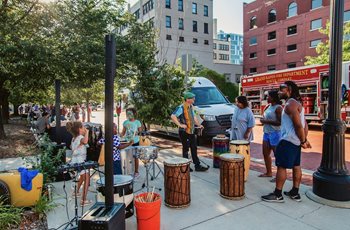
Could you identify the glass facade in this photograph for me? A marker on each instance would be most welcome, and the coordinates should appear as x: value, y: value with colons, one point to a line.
x: 236, y: 46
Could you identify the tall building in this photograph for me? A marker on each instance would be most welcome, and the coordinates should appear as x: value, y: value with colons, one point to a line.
x: 184, y: 27
x: 228, y: 44
x: 279, y: 34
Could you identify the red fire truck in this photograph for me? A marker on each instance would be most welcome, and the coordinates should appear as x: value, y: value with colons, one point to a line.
x: 313, y: 83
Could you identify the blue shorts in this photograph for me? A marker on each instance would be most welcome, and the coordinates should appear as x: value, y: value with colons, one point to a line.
x: 117, y: 167
x: 272, y: 138
x: 287, y: 155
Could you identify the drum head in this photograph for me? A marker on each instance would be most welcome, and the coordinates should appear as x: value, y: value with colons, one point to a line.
x: 239, y: 142
x: 176, y: 161
x: 117, y: 180
x: 146, y: 149
x: 220, y: 138
x: 231, y: 157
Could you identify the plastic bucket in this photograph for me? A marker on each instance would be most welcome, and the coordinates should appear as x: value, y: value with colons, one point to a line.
x: 148, y: 213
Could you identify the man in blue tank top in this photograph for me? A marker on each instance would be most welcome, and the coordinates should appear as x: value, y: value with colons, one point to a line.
x: 294, y: 131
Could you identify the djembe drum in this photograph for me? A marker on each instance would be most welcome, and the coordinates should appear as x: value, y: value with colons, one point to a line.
x: 177, y: 182
x: 242, y: 147
x: 221, y: 145
x: 232, y: 176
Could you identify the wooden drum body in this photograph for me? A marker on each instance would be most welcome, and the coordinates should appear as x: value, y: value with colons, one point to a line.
x: 221, y: 145
x: 232, y: 176
x: 177, y: 183
x: 242, y: 147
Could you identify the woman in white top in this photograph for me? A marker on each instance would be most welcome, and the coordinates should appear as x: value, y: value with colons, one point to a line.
x: 79, y: 146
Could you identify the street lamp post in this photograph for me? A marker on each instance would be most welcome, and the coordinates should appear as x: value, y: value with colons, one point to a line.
x: 332, y: 180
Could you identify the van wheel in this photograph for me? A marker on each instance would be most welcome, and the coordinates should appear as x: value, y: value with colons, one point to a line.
x: 5, y: 196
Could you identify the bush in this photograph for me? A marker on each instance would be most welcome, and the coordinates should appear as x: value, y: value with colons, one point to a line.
x: 10, y: 216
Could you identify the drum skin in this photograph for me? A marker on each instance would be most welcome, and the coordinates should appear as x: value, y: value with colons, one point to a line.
x: 232, y: 176
x: 177, y: 183
x: 220, y: 146
x: 242, y: 147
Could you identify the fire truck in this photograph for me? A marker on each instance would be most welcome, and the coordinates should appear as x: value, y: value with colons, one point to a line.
x: 313, y: 84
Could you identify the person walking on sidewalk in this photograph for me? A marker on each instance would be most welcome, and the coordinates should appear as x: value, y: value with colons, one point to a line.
x: 184, y: 117
x: 294, y: 132
x: 272, y: 129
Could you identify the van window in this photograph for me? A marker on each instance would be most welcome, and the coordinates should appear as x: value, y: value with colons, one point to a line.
x: 208, y: 96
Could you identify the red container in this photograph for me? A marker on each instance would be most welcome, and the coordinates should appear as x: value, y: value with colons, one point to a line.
x: 148, y: 213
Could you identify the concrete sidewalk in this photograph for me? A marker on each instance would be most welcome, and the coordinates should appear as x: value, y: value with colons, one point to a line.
x: 208, y: 210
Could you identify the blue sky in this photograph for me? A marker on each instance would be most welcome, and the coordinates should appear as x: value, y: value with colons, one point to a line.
x: 229, y: 14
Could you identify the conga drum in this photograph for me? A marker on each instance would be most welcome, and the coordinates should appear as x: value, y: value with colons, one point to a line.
x: 221, y: 145
x: 177, y: 191
x: 232, y: 176
x: 242, y: 147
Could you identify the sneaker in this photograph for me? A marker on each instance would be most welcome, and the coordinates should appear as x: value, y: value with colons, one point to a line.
x: 200, y: 168
x: 295, y: 197
x: 272, y: 197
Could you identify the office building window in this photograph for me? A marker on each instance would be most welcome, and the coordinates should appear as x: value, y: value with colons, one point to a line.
x: 292, y: 48
x: 224, y: 47
x: 252, y: 24
x: 194, y: 8
x: 180, y: 5
x: 206, y: 11
x: 206, y: 42
x: 195, y: 40
x: 291, y: 65
x: 168, y: 22
x: 271, y: 68
x: 224, y: 57
x: 272, y: 17
x: 214, y: 46
x: 347, y: 16
x: 253, y: 41
x: 271, y: 35
x: 316, y: 4
x: 194, y: 26
x: 214, y: 56
x: 181, y: 23
x: 292, y: 9
x: 137, y: 14
x: 252, y: 70
x: 206, y: 28
x: 271, y: 52
x: 168, y: 37
x: 314, y: 43
x: 253, y: 55
x: 168, y: 4
x: 292, y: 30
x: 316, y: 24
x: 148, y: 6
x: 181, y: 39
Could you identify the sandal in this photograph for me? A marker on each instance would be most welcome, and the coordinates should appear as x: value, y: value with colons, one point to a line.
x: 86, y: 203
x: 264, y: 175
x: 78, y: 194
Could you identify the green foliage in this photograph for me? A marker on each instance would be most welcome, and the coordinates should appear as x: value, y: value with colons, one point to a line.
x: 10, y: 216
x: 44, y: 206
x: 323, y: 49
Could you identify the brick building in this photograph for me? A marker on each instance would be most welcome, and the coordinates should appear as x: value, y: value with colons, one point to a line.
x: 278, y: 34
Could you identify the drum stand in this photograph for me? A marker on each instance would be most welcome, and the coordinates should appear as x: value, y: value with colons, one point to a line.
x: 153, y: 165
x: 146, y: 182
x: 75, y: 220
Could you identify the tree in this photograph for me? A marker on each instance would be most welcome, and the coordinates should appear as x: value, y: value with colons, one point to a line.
x: 323, y: 49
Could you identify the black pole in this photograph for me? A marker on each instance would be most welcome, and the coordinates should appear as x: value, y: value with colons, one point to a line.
x: 332, y: 180
x: 57, y: 110
x: 109, y: 100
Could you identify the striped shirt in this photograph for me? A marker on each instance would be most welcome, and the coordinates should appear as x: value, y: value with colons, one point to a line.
x: 185, y: 114
x: 116, y: 144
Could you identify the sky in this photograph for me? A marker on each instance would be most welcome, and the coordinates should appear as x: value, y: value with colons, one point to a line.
x: 229, y: 14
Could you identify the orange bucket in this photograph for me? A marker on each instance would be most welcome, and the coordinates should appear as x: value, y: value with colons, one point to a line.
x: 148, y: 213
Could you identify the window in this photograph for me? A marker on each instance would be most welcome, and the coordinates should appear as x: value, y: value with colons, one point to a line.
x: 252, y: 70
x: 195, y: 40
x: 137, y: 14
x: 292, y: 30
x: 206, y: 28
x: 252, y: 23
x: 253, y: 41
x: 181, y: 39
x: 314, y: 43
x: 224, y: 57
x: 224, y: 47
x: 206, y: 11
x: 316, y: 24
x: 214, y: 46
x: 148, y: 6
x: 347, y: 16
x: 180, y: 5
x: 271, y: 68
x: 168, y: 37
x: 194, y: 8
x: 168, y: 4
x: 292, y: 9
x: 271, y: 52
x: 194, y: 26
x: 292, y: 48
x: 181, y: 23
x: 253, y: 55
x: 206, y: 42
x: 272, y: 16
x: 291, y: 65
x: 214, y: 55
x: 271, y: 35
x: 316, y: 4
x: 168, y: 22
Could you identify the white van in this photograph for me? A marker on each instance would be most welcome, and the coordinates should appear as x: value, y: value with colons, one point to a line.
x: 214, y: 109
